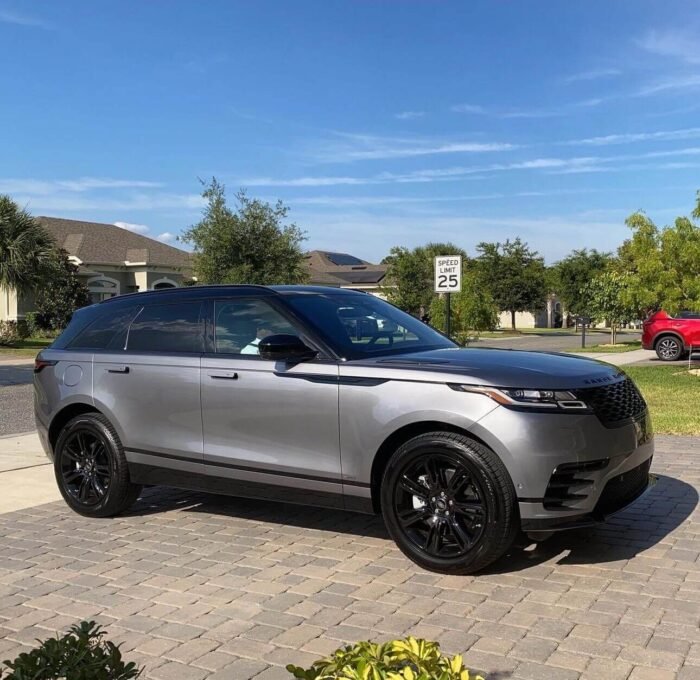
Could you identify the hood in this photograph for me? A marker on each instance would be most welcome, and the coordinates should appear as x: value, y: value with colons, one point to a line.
x: 503, y: 367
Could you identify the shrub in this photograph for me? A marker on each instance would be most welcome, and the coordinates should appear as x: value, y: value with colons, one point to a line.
x: 32, y: 322
x: 408, y: 659
x: 81, y: 654
x: 9, y: 333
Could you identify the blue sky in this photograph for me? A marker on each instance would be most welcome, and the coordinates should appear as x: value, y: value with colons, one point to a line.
x: 378, y: 123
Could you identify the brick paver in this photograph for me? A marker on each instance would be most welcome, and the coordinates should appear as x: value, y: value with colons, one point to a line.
x: 213, y: 588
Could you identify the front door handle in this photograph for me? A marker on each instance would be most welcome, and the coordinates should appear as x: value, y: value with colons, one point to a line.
x: 229, y: 375
x: 118, y: 369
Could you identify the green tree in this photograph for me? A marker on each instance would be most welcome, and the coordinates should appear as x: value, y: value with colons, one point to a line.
x: 62, y: 294
x: 571, y: 274
x: 515, y: 274
x: 608, y: 298
x: 25, y: 248
x: 471, y: 310
x: 251, y: 244
x: 410, y: 279
x: 663, y: 265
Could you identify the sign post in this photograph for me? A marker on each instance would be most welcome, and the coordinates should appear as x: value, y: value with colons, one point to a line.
x: 448, y: 279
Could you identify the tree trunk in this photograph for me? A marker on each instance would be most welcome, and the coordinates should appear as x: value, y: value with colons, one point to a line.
x: 512, y: 319
x: 613, y: 332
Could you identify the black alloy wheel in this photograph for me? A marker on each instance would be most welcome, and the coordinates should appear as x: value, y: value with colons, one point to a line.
x: 449, y: 503
x: 91, y: 469
x: 86, y: 467
x: 439, y: 504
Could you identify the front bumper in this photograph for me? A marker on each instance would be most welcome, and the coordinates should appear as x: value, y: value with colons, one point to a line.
x: 568, y: 470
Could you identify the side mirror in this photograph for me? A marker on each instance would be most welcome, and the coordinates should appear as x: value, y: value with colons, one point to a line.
x: 285, y: 348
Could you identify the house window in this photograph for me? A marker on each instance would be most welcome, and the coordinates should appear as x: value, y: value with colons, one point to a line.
x: 164, y: 283
x: 102, y: 288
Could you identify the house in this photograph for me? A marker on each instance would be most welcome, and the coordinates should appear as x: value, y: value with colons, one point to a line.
x: 551, y: 315
x: 341, y: 270
x: 111, y: 261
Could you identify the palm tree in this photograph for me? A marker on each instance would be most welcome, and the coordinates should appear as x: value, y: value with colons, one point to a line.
x: 25, y: 248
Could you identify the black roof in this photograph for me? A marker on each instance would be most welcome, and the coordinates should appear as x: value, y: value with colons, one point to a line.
x: 224, y: 290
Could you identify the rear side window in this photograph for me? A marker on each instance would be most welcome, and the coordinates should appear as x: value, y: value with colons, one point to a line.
x: 167, y: 328
x: 107, y: 332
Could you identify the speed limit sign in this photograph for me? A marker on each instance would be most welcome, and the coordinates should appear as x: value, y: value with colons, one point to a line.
x: 448, y: 274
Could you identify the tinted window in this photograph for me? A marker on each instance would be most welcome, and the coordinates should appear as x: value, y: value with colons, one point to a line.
x: 167, y: 328
x: 107, y: 332
x: 241, y: 324
x: 689, y: 315
x: 363, y: 325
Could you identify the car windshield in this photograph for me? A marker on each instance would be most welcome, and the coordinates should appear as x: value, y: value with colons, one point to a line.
x: 358, y: 326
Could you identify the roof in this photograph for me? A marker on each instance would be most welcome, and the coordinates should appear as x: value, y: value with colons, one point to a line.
x: 94, y: 243
x: 223, y: 290
x: 341, y: 269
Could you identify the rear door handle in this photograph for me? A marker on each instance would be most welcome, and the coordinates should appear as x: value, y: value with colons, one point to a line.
x: 118, y: 369
x: 229, y: 375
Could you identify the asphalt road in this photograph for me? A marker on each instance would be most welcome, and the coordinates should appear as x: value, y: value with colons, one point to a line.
x: 553, y: 342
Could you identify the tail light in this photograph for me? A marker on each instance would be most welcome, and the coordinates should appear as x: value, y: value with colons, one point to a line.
x: 41, y: 364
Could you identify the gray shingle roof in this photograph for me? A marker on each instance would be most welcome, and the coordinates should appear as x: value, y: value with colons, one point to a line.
x: 96, y: 243
x: 323, y: 270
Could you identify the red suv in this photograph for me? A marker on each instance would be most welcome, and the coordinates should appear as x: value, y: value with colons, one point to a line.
x: 671, y: 337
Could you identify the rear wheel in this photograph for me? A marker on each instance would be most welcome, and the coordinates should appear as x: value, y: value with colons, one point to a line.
x: 449, y: 503
x: 669, y: 348
x: 91, y: 469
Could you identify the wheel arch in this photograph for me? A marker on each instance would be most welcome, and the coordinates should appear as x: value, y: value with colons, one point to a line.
x: 664, y: 334
x: 66, y: 414
x: 399, y: 437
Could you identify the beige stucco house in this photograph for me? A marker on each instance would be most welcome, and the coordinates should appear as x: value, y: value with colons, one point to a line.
x: 111, y: 261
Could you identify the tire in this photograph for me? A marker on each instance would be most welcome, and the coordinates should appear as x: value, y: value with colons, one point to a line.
x: 91, y: 470
x: 669, y: 348
x: 449, y: 503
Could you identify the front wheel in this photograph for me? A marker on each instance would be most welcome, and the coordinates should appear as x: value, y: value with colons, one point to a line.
x: 669, y: 348
x: 449, y: 503
x: 91, y: 469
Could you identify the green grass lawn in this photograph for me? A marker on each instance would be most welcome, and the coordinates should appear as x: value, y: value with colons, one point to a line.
x: 672, y: 394
x: 611, y: 349
x: 21, y: 349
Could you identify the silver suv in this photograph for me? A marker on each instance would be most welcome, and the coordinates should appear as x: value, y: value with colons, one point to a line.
x: 336, y: 398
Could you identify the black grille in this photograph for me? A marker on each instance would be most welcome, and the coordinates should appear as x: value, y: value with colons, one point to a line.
x: 623, y: 489
x: 614, y: 404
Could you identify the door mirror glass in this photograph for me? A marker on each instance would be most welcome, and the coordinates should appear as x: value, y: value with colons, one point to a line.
x: 283, y: 347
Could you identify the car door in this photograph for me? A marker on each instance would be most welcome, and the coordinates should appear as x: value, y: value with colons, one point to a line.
x: 149, y: 386
x: 268, y: 425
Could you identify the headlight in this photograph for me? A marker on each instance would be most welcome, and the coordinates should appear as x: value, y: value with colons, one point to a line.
x: 527, y: 398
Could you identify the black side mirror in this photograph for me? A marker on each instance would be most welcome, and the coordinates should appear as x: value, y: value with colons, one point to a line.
x: 285, y: 348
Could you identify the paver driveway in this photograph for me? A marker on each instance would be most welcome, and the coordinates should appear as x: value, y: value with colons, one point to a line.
x: 204, y: 587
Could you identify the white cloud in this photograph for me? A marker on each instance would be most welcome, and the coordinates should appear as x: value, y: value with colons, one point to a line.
x: 684, y: 82
x: 166, y: 237
x: 593, y: 74
x: 468, y: 108
x: 136, y: 228
x: 674, y: 43
x: 347, y: 147
x: 629, y: 137
x: 45, y: 187
x: 409, y: 115
x: 9, y: 17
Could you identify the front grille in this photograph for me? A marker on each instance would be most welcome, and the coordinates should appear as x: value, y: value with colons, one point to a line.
x: 623, y: 489
x: 569, y: 483
x: 614, y: 404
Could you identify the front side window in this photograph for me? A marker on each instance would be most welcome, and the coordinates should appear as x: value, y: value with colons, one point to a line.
x: 167, y: 328
x: 241, y: 324
x: 363, y: 325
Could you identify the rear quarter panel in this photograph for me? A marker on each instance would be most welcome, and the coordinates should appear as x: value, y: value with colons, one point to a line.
x: 56, y: 387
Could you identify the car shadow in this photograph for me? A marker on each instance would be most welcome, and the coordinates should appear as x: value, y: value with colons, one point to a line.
x: 640, y: 527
